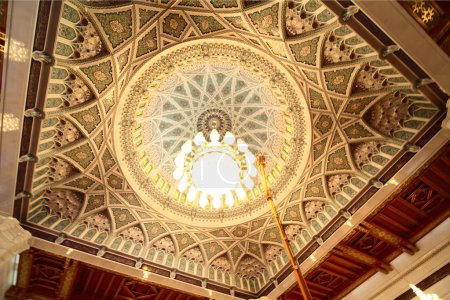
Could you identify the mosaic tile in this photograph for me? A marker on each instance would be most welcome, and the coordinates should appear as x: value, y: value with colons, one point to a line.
x: 94, y: 202
x: 174, y: 24
x: 83, y: 155
x: 337, y: 81
x: 100, y: 75
x: 305, y: 52
x: 338, y: 161
x: 117, y: 26
x: 266, y: 20
x: 122, y: 217
x: 89, y: 118
x: 148, y: 43
x: 207, y: 24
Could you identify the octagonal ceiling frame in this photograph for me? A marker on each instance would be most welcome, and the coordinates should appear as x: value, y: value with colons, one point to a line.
x: 428, y: 90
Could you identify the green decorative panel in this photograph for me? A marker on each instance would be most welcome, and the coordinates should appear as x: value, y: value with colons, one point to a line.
x: 117, y: 26
x: 305, y: 52
x: 100, y: 75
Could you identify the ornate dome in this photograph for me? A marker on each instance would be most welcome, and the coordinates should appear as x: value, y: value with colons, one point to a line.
x: 132, y: 81
x: 200, y: 87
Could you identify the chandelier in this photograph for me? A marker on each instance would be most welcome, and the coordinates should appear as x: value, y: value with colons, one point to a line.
x: 215, y: 171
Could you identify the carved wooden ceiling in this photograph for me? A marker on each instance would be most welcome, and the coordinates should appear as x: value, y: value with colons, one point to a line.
x: 434, y: 17
x: 418, y: 206
x: 361, y: 115
x: 43, y: 275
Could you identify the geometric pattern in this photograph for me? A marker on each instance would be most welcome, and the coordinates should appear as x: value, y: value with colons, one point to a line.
x: 168, y: 114
x: 346, y: 87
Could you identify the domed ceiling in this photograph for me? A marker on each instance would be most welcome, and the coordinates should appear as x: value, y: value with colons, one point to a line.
x: 209, y: 82
x: 133, y: 81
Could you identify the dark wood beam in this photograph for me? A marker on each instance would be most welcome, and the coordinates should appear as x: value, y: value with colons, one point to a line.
x: 403, y: 202
x: 346, y: 264
x: 344, y: 269
x: 342, y: 276
x: 68, y: 279
x: 402, y: 214
x: 109, y: 285
x: 388, y: 237
x: 119, y: 287
x: 364, y: 258
x: 320, y: 294
x: 316, y: 286
x: 91, y: 271
x: 436, y: 182
x: 385, y: 219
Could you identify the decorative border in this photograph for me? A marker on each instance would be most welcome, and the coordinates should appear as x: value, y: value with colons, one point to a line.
x: 194, y: 52
x: 434, y: 93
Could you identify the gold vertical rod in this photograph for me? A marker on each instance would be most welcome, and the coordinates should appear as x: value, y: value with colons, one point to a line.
x: 298, y: 274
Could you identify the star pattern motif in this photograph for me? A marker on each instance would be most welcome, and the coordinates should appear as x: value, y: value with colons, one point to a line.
x: 80, y: 190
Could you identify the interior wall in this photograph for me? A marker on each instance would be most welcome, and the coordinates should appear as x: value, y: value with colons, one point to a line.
x: 22, y: 17
x: 8, y: 274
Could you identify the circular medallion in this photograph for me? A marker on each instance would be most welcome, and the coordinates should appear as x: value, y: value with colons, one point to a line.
x: 214, y: 118
x: 197, y: 87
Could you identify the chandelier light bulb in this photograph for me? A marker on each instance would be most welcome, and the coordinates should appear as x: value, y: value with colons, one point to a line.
x: 229, y: 138
x: 242, y: 146
x: 252, y: 171
x: 203, y: 200
x: 199, y: 139
x: 250, y: 157
x: 217, y: 202
x: 240, y: 193
x: 187, y: 147
x: 178, y: 173
x: 214, y: 136
x: 182, y: 186
x: 192, y: 193
x: 216, y: 173
x: 229, y: 199
x: 179, y: 160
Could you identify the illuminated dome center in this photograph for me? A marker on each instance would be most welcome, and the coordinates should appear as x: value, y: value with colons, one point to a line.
x: 229, y: 89
x: 217, y: 172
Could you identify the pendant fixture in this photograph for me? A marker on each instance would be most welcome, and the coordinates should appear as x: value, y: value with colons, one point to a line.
x: 215, y: 173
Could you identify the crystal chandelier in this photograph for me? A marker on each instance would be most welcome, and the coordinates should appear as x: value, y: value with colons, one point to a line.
x: 216, y: 172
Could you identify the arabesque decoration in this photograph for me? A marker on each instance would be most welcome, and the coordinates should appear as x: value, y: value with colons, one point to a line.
x: 294, y: 83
